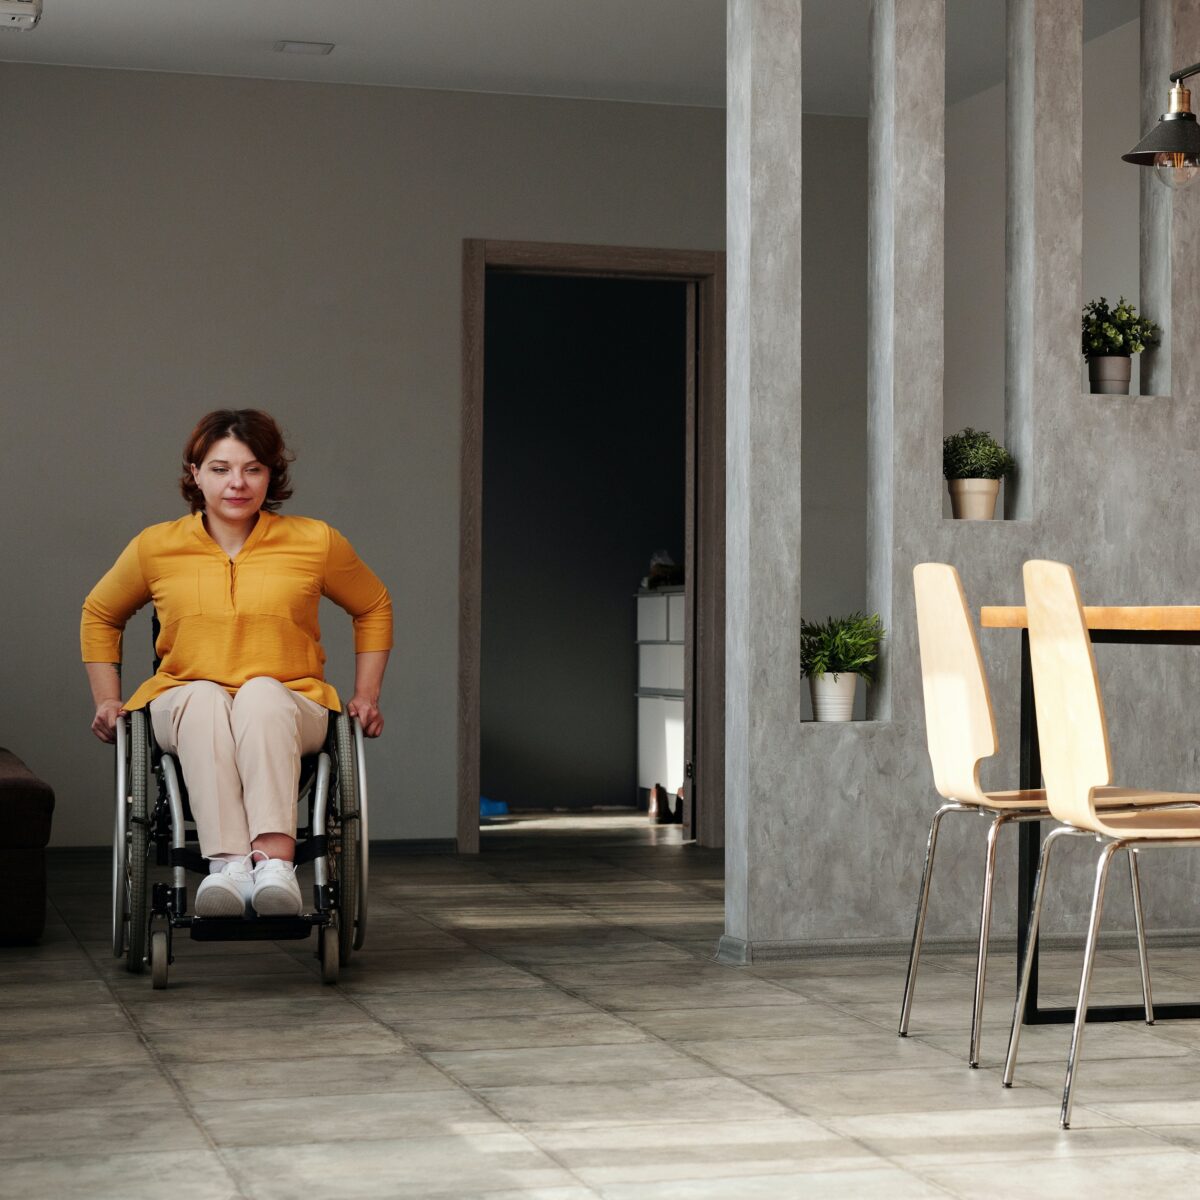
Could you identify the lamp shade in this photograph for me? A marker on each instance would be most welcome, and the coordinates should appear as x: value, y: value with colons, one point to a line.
x: 1175, y: 133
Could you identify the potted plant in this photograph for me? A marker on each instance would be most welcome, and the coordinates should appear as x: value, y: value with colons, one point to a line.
x: 1110, y: 337
x: 833, y: 654
x: 973, y: 463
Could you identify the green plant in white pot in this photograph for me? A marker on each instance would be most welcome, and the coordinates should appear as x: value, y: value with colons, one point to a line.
x: 973, y: 463
x: 1111, y: 336
x: 834, y: 653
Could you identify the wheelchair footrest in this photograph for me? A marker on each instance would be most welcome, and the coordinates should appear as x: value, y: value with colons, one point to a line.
x: 254, y: 929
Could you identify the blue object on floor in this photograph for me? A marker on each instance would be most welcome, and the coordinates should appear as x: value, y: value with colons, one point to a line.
x: 492, y: 808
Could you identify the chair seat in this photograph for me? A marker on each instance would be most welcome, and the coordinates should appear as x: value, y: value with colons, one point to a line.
x: 1167, y: 825
x: 1106, y: 797
x: 1030, y: 798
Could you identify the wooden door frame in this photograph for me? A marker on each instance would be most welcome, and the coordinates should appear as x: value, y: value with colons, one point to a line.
x: 706, y: 478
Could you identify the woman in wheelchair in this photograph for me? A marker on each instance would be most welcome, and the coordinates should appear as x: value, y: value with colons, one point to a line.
x: 239, y: 694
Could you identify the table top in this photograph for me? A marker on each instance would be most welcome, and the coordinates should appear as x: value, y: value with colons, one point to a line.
x: 1151, y: 617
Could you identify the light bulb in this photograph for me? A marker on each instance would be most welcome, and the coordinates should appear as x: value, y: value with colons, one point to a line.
x: 1174, y: 169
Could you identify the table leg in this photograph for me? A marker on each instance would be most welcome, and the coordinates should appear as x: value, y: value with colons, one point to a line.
x: 1029, y: 832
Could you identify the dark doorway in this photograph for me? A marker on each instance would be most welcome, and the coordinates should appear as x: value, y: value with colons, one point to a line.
x: 584, y: 456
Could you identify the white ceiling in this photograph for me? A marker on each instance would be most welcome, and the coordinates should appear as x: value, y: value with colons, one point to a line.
x: 650, y: 51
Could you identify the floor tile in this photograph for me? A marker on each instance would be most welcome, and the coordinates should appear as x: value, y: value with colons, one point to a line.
x: 995, y: 1133
x: 662, y: 1101
x: 1115, y: 1177
x: 291, y: 1044
x: 302, y: 1005
x: 499, y: 1033
x: 853, y: 1093
x: 352, y: 1118
x: 716, y: 993
x: 329, y: 1075
x: 48, y: 1050
x: 568, y: 1064
x: 98, y: 1129
x: 102, y: 1015
x: 881, y: 1183
x: 182, y: 1175
x: 43, y: 1088
x: 399, y: 1008
x: 747, y: 1021
x: 458, y: 1166
x: 819, y: 1052
x: 652, y: 1153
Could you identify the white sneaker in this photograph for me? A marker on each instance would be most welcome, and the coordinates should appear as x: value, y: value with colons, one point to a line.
x: 226, y: 893
x: 276, y: 892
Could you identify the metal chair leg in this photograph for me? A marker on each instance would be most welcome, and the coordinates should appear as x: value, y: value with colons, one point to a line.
x: 1085, y: 979
x: 1143, y: 958
x: 985, y: 927
x: 914, y: 956
x: 1035, y: 918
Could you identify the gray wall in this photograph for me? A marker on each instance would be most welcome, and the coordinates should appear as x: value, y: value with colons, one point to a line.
x: 179, y: 243
x: 833, y: 380
x: 975, y: 190
x: 827, y: 823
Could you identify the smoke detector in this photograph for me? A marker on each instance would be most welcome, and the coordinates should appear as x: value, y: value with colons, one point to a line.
x: 20, y: 14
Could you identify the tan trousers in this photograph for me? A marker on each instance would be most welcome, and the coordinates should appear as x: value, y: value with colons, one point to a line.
x: 240, y: 756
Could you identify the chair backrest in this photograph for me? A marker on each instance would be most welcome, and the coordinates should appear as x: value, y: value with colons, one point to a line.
x: 960, y: 727
x: 1070, y: 714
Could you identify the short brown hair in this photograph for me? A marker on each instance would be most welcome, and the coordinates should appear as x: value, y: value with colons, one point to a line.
x: 254, y: 429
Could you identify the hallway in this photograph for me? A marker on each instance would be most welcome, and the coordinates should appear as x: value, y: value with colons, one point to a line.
x: 542, y: 1022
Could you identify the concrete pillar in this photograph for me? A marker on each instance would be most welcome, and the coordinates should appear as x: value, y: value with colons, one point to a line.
x: 1044, y: 242
x: 1157, y: 30
x: 906, y: 219
x: 1184, y: 249
x: 763, y: 434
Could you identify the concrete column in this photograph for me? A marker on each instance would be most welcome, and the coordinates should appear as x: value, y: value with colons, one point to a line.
x: 762, y: 710
x: 906, y: 217
x: 1044, y: 244
x: 1157, y: 37
x: 1185, y: 228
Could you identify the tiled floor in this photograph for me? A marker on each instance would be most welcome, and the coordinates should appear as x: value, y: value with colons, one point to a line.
x: 545, y: 1023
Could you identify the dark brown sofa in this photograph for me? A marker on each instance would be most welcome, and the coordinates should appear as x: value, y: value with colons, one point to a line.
x: 26, y: 806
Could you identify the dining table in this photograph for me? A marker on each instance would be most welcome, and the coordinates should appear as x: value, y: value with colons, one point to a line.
x: 1142, y: 625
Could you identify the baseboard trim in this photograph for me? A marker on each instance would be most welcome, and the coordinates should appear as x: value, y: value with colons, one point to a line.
x: 734, y: 952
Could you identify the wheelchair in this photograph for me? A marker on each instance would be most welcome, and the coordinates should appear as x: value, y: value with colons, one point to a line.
x: 147, y: 914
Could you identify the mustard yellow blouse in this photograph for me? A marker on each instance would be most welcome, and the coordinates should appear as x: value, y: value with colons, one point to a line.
x: 230, y: 621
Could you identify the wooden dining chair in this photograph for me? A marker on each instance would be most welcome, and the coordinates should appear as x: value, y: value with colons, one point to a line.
x: 1077, y: 768
x: 960, y: 729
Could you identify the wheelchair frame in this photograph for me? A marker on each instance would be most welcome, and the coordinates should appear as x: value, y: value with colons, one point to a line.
x: 146, y: 914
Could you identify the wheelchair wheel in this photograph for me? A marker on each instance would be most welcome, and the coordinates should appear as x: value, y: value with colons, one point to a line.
x: 347, y: 839
x: 159, y: 959
x: 120, y: 884
x: 130, y: 838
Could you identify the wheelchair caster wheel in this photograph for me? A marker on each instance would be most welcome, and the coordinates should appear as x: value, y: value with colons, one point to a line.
x: 327, y: 945
x: 159, y: 955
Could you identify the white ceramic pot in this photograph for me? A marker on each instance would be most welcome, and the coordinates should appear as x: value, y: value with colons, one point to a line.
x: 833, y: 696
x: 1109, y: 374
x: 973, y: 499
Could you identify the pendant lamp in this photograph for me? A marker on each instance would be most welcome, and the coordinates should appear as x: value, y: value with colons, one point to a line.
x: 1172, y: 147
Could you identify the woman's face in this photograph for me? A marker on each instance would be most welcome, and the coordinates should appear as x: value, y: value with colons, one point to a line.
x: 233, y: 481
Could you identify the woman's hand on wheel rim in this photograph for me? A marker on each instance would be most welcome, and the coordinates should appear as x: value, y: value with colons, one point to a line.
x: 104, y: 723
x: 367, y: 711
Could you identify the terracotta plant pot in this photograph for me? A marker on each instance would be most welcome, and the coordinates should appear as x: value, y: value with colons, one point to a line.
x: 973, y: 499
x: 833, y: 696
x: 1110, y: 373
